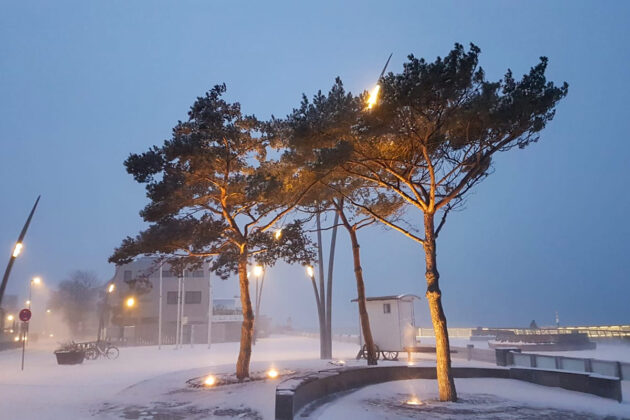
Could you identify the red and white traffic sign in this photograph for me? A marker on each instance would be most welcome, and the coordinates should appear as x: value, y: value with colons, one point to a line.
x: 25, y: 315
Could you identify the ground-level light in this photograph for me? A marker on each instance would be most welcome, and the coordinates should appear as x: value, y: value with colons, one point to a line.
x: 272, y: 373
x: 210, y: 381
x: 413, y: 401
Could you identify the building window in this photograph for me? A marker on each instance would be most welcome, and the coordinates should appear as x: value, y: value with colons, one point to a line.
x: 193, y: 297
x: 387, y: 308
x: 171, y: 298
x: 167, y: 273
x: 127, y: 275
x: 197, y: 273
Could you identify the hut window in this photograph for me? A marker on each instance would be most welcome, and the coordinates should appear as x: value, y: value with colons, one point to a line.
x: 387, y: 308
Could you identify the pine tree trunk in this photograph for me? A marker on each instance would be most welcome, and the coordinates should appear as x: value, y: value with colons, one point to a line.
x: 363, y: 315
x: 446, y: 385
x: 247, y: 328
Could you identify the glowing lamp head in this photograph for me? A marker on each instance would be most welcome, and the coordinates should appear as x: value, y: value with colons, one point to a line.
x: 28, y: 302
x: 272, y: 373
x: 310, y: 271
x: 48, y: 311
x: 258, y: 270
x: 373, y: 97
x: 278, y: 234
x: 37, y: 280
x: 130, y: 302
x: 10, y: 318
x: 16, y: 338
x: 111, y: 288
x: 51, y: 335
x: 210, y: 381
x: 17, y: 249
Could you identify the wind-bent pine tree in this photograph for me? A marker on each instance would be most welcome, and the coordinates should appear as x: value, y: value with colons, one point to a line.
x: 312, y: 133
x: 431, y: 138
x: 215, y: 195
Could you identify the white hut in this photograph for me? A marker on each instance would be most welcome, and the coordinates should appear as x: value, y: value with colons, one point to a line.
x: 392, y: 323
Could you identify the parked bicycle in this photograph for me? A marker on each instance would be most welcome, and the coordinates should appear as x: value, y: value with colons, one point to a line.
x: 97, y: 349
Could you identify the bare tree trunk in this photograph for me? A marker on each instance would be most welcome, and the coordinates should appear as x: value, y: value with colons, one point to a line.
x: 331, y: 264
x: 322, y: 296
x: 363, y: 315
x: 245, y: 352
x: 446, y: 385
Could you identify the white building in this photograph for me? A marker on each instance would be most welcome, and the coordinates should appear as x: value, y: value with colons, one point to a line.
x: 139, y: 323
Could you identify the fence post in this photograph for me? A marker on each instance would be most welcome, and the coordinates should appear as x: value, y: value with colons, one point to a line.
x: 559, y: 365
x: 588, y: 365
x: 619, y: 371
x: 469, y: 350
x: 532, y: 360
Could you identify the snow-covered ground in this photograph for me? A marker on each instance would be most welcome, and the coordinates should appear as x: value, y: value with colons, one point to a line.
x: 479, y: 399
x: 147, y: 383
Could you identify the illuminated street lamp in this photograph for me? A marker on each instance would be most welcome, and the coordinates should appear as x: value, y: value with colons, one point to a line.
x: 17, y: 249
x: 10, y: 318
x: 111, y: 288
x: 278, y: 234
x: 375, y: 91
x: 130, y: 302
x: 34, y: 281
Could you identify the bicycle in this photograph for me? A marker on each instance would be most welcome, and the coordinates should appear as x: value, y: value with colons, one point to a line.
x: 101, y: 349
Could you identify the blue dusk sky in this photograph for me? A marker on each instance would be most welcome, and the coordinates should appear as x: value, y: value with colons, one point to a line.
x: 83, y: 84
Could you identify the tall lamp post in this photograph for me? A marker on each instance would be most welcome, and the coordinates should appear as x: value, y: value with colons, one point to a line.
x: 320, y: 310
x: 259, y: 272
x: 101, y: 322
x: 16, y: 251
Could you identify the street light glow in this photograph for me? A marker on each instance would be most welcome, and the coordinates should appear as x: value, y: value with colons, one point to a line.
x: 130, y: 302
x: 278, y: 234
x: 413, y: 401
x: 10, y: 318
x: 373, y: 96
x: 47, y: 311
x: 37, y: 280
x: 258, y: 270
x: 17, y: 249
x: 111, y: 288
x: 309, y: 271
x: 28, y: 302
x: 210, y: 381
x: 272, y: 373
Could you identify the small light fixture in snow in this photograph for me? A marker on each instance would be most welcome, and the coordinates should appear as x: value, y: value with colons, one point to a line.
x: 341, y: 362
x: 272, y: 373
x: 410, y: 363
x: 413, y: 401
x: 210, y: 381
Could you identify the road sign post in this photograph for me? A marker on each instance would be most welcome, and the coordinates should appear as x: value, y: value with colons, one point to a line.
x: 25, y: 316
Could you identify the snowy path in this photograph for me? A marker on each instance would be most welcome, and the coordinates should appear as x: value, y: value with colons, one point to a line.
x: 147, y: 383
x: 45, y: 390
